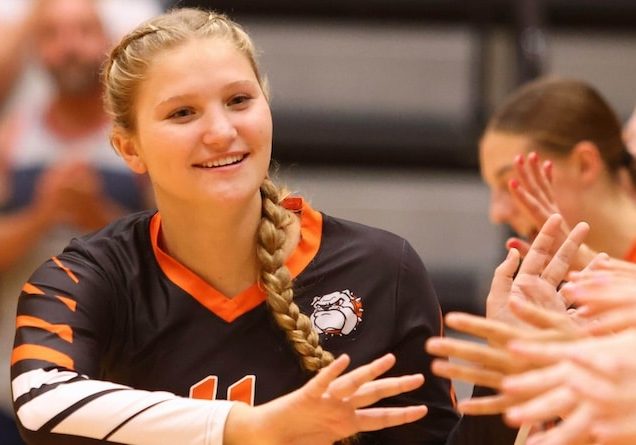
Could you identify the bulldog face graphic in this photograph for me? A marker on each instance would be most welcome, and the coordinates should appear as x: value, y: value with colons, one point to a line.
x: 337, y: 313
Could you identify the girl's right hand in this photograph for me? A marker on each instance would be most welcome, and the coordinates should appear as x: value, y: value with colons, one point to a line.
x: 326, y: 409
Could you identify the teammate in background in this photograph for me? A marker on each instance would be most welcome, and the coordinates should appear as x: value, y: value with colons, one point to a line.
x: 59, y: 177
x: 589, y: 175
x: 221, y: 292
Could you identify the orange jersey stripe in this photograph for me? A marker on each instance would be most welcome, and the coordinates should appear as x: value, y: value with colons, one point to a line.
x: 72, y: 304
x: 68, y: 271
x: 36, y: 352
x: 64, y: 331
x: 31, y: 289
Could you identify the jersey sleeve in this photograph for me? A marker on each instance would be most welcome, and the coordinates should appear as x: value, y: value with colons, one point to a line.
x: 418, y: 317
x: 66, y: 315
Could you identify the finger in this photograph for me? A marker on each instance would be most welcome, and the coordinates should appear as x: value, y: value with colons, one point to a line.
x: 559, y: 265
x: 574, y: 430
x: 488, y: 329
x: 487, y: 356
x: 552, y: 324
x: 603, y: 262
x: 523, y: 172
x: 600, y: 294
x: 528, y: 201
x: 606, y: 355
x: 373, y: 419
x: 538, y: 353
x: 542, y: 181
x: 545, y: 407
x: 468, y: 373
x: 485, y: 406
x: 349, y: 383
x: 317, y: 386
x: 502, y: 280
x: 543, y: 247
x: 515, y: 243
x: 597, y: 389
x: 536, y: 382
x: 371, y: 392
x: 613, y: 321
x: 547, y: 170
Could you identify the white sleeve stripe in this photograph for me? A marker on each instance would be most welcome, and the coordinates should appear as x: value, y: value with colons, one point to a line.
x: 113, y: 409
x: 41, y: 409
x: 37, y: 378
x: 183, y: 421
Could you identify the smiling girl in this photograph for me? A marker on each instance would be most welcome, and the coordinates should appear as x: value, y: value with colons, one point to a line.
x: 216, y: 295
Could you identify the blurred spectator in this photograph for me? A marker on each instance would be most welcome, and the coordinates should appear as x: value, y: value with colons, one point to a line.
x: 58, y: 175
x: 21, y: 77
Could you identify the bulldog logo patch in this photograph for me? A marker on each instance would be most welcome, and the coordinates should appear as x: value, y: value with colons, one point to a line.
x: 337, y: 313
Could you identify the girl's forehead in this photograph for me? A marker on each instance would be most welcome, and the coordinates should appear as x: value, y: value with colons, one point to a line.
x: 195, y: 67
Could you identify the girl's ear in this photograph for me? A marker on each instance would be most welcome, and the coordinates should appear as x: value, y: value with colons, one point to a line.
x: 126, y: 146
x: 588, y: 162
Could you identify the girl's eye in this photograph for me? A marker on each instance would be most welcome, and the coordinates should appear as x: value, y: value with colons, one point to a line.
x: 239, y: 100
x: 180, y: 113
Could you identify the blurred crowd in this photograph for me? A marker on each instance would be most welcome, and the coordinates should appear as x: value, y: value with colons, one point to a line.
x: 59, y: 176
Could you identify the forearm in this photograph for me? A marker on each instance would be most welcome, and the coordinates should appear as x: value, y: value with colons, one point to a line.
x: 105, y: 411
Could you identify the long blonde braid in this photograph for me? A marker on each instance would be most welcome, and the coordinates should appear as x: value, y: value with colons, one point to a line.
x: 276, y: 280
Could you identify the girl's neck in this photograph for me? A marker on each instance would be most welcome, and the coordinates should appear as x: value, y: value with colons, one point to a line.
x: 612, y: 220
x: 217, y: 245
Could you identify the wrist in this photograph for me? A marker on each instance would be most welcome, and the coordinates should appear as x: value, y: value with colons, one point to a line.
x: 244, y: 425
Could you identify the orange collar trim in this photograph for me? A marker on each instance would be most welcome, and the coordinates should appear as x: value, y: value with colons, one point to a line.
x: 229, y: 309
x: 631, y: 255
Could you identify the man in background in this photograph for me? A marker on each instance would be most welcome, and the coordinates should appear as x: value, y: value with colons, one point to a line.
x: 59, y: 177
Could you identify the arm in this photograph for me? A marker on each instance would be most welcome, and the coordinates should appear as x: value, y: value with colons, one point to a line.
x: 16, y: 38
x: 65, y: 320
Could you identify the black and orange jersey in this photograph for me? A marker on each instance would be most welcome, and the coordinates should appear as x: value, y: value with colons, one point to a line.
x: 116, y: 340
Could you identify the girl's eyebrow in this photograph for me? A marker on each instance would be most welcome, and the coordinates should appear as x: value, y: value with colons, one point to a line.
x: 235, y: 84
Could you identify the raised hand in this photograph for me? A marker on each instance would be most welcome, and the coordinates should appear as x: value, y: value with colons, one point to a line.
x: 526, y: 306
x: 532, y: 190
x: 328, y: 408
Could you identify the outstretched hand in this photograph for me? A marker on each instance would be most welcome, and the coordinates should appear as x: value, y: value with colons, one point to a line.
x: 588, y: 384
x: 328, y: 408
x: 523, y: 306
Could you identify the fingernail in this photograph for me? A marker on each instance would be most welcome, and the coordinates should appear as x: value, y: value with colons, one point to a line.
x: 513, y: 183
